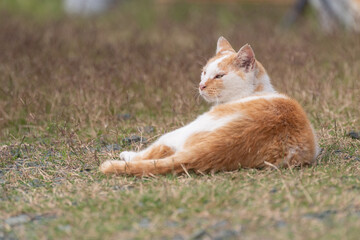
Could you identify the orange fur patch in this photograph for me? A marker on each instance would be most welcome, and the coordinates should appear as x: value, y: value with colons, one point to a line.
x: 214, y: 58
x: 276, y: 131
x: 213, y: 87
x: 225, y: 46
x: 156, y: 152
x: 260, y: 70
x: 196, y: 138
x: 259, y: 87
x: 228, y: 65
x: 225, y: 110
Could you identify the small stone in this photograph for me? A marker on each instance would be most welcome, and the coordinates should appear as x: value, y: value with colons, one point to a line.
x: 64, y: 228
x: 123, y: 188
x: 19, y: 162
x: 17, y: 220
x: 220, y: 224
x: 149, y: 129
x: 2, y: 181
x: 34, y: 164
x: 354, y: 135
x: 113, y: 147
x: 43, y: 217
x: 58, y: 180
x: 170, y: 223
x: 123, y: 116
x: 134, y: 139
x: 144, y: 223
x: 320, y: 215
x: 180, y: 210
x: 178, y: 237
x: 280, y: 224
x: 199, y: 235
x: 86, y: 170
x: 273, y: 190
x: 36, y: 183
x: 226, y: 234
x: 357, y: 213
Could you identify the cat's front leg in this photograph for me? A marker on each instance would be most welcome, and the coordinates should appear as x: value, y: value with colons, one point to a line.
x: 169, y: 143
x: 155, y: 151
x: 128, y: 156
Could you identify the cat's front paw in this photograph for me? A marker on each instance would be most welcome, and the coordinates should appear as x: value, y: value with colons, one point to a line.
x: 127, y: 156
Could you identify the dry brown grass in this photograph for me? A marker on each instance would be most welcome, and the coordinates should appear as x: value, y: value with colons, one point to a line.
x: 64, y: 84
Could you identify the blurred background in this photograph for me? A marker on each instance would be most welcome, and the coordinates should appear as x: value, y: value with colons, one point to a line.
x: 85, y: 64
x: 83, y: 80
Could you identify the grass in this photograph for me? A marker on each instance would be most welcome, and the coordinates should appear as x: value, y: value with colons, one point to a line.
x: 68, y: 85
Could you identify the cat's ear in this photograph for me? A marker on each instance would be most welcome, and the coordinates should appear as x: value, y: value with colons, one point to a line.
x: 223, y: 45
x: 246, y: 58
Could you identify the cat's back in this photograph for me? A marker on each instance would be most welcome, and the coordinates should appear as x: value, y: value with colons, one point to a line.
x: 270, y: 105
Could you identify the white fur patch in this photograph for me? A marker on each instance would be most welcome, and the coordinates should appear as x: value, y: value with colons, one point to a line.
x: 266, y: 96
x: 205, y: 122
x: 212, y: 69
x: 127, y: 156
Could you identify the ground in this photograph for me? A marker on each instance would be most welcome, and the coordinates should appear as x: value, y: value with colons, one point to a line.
x: 76, y: 91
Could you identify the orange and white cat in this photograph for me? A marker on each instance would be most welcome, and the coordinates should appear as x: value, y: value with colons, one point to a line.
x: 250, y: 125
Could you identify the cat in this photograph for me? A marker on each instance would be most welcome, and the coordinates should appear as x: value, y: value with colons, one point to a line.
x: 249, y: 126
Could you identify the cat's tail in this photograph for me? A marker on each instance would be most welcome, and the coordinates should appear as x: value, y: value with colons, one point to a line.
x: 172, y: 164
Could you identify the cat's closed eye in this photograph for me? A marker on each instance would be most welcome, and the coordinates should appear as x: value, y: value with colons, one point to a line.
x: 219, y: 76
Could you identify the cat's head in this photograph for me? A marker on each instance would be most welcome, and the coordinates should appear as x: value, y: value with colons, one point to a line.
x: 231, y: 75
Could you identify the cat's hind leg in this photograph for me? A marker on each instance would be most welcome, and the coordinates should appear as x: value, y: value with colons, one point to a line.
x: 172, y: 164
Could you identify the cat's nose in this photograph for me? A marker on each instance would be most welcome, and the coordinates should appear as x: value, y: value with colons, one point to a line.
x: 202, y: 86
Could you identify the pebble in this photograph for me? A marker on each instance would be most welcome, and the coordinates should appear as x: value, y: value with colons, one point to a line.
x: 134, y: 139
x: 17, y: 220
x: 123, y: 116
x: 354, y: 135
x: 123, y: 188
x: 226, y: 234
x: 178, y: 237
x: 273, y: 190
x: 144, y: 223
x: 58, y: 180
x: 220, y: 224
x: 280, y: 224
x: 171, y: 224
x: 199, y: 235
x: 43, y: 217
x: 320, y: 215
x: 86, y: 169
x: 64, y: 228
x: 148, y: 129
x: 112, y: 147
